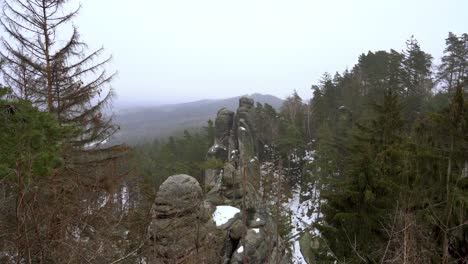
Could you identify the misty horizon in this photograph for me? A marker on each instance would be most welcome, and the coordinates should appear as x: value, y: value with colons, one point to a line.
x: 183, y: 51
x: 249, y: 131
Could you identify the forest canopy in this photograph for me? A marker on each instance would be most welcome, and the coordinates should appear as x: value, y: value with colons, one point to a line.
x: 376, y: 160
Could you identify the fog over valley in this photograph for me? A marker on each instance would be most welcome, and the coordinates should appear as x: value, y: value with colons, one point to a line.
x: 233, y: 132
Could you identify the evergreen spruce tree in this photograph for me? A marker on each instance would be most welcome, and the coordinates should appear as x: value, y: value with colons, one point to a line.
x: 318, y: 111
x: 416, y: 79
x: 210, y: 131
x: 416, y: 69
x: 29, y: 139
x: 356, y: 208
x: 454, y: 66
x: 30, y: 146
x: 441, y: 173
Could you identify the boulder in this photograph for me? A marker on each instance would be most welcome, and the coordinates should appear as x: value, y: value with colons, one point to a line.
x: 257, y: 221
x: 236, y: 230
x: 178, y: 195
x: 179, y: 229
x: 255, y: 249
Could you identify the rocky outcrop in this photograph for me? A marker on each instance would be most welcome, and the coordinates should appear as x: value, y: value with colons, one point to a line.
x: 238, y: 184
x: 235, y: 137
x: 309, y: 245
x: 219, y: 151
x: 180, y: 230
x: 186, y: 224
x: 224, y: 121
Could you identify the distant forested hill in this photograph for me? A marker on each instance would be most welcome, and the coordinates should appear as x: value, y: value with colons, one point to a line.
x: 140, y: 124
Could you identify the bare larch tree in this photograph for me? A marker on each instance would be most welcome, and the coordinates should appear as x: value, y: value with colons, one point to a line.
x: 56, y: 73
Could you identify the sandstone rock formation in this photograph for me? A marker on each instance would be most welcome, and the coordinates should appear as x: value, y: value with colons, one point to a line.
x: 238, y: 183
x: 180, y: 231
x: 183, y: 228
x: 223, y: 129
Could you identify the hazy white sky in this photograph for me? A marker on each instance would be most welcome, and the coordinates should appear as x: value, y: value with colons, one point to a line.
x: 183, y: 50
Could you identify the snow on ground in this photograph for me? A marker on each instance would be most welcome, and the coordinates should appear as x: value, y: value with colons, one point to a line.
x: 300, y: 219
x: 224, y: 213
x: 125, y: 196
x: 103, y: 200
x: 215, y: 147
x: 309, y: 156
x: 240, y: 250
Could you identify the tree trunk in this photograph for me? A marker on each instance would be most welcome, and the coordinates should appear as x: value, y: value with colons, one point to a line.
x: 47, y: 55
x: 445, y: 243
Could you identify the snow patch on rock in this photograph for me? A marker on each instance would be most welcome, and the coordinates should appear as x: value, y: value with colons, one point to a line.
x: 224, y: 213
x: 240, y: 250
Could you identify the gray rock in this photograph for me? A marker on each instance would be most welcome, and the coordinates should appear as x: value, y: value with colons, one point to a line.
x: 236, y: 230
x: 214, y: 198
x: 255, y: 248
x: 238, y: 256
x: 231, y: 176
x: 178, y: 195
x: 257, y: 221
x: 253, y: 239
x: 227, y: 226
x: 223, y: 126
x: 237, y: 146
x: 212, y: 177
x: 178, y: 228
x: 233, y: 194
x: 218, y: 151
x: 246, y: 102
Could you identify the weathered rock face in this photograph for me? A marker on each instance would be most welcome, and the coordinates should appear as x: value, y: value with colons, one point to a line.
x: 182, y: 226
x: 219, y: 151
x: 223, y: 126
x: 309, y: 245
x: 234, y: 142
x: 246, y: 141
x: 238, y: 183
x: 180, y: 230
x: 178, y: 195
x: 246, y: 129
x: 223, y: 129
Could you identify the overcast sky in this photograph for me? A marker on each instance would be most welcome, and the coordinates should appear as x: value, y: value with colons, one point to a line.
x: 175, y: 51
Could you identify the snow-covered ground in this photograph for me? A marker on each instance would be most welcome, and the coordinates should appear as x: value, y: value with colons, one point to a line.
x: 301, y: 218
x: 224, y: 213
x: 302, y: 213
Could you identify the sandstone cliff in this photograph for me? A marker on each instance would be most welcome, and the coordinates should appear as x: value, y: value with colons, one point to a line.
x: 229, y: 224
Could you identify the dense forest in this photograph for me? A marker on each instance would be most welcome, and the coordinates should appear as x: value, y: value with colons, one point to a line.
x: 389, y: 139
x: 391, y: 152
x: 382, y: 146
